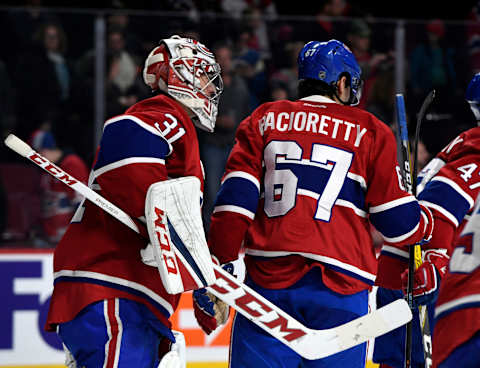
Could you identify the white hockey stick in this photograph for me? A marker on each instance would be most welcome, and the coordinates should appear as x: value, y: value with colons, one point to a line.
x: 309, y: 343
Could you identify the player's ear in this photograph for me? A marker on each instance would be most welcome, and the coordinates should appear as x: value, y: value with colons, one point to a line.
x: 343, y: 88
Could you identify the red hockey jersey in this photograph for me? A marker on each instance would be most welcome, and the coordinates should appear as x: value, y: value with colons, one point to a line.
x: 99, y: 257
x: 59, y: 202
x: 301, y: 185
x: 451, y: 194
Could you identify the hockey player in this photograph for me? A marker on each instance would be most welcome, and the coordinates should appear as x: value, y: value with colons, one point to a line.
x: 448, y: 186
x: 456, y: 336
x: 109, y: 308
x: 301, y: 184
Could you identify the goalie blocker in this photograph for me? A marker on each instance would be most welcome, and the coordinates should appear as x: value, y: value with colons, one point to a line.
x: 178, y: 247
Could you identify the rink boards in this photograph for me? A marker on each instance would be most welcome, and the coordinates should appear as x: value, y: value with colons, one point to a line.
x: 26, y: 281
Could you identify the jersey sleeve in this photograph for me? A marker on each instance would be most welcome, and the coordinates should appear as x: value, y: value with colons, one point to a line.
x: 453, y: 190
x: 237, y: 199
x: 393, y: 212
x: 450, y: 193
x: 131, y: 157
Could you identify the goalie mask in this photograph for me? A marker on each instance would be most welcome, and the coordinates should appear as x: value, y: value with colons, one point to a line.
x: 187, y: 71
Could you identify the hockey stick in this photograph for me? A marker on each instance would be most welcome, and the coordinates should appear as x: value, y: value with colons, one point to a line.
x: 424, y: 321
x: 309, y: 343
x: 415, y: 252
x: 425, y: 105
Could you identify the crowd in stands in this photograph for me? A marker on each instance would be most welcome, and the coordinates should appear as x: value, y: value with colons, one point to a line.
x: 47, y: 78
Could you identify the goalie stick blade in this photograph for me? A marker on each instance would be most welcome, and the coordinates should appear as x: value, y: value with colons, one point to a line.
x: 309, y: 343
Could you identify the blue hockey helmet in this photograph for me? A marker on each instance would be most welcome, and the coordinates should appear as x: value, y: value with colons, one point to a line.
x: 473, y: 95
x: 328, y: 62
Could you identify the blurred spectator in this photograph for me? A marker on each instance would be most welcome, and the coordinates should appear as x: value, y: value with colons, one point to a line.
x: 7, y: 116
x: 234, y: 8
x: 432, y: 66
x: 281, y: 35
x: 59, y: 202
x: 358, y: 39
x: 242, y: 41
x: 133, y: 43
x: 232, y: 109
x: 381, y: 95
x: 278, y: 91
x: 43, y: 80
x: 423, y: 156
x: 288, y: 75
x: 21, y: 25
x: 252, y: 68
x: 54, y: 40
x: 324, y: 27
x: 6, y: 101
x: 473, y: 38
x: 259, y: 38
x: 124, y: 85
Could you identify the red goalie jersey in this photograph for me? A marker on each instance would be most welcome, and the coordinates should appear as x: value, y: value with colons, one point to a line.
x: 457, y: 184
x: 301, y: 185
x: 99, y: 257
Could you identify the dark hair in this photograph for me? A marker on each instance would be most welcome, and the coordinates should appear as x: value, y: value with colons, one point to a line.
x: 309, y: 87
x: 39, y: 35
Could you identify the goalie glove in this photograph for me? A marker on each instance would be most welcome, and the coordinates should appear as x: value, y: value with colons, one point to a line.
x: 427, y: 277
x: 210, y: 311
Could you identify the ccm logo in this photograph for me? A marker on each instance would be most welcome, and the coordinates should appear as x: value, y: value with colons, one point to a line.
x: 254, y: 307
x: 164, y: 240
x: 51, y: 168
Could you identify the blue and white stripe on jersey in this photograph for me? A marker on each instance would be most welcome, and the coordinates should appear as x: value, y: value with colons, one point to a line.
x: 118, y: 283
x: 127, y: 139
x: 313, y: 179
x: 332, y: 263
x: 394, y: 219
x: 395, y: 253
x: 469, y: 301
x: 448, y: 198
x: 239, y: 193
x: 428, y: 172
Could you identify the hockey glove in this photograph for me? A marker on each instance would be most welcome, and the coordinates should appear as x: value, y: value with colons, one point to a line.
x: 427, y: 277
x: 210, y: 312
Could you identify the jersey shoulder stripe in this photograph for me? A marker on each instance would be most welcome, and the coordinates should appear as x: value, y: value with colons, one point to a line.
x: 448, y: 199
x: 125, y: 138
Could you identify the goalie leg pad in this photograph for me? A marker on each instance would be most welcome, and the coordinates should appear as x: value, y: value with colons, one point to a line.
x: 176, y: 357
x: 175, y: 229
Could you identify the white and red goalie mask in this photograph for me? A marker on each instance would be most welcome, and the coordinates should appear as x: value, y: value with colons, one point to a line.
x: 187, y: 71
